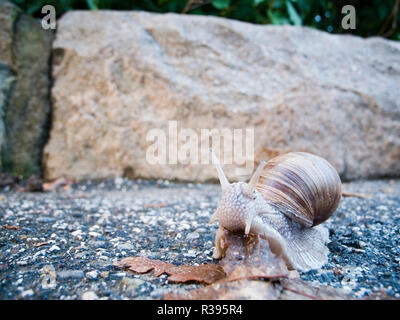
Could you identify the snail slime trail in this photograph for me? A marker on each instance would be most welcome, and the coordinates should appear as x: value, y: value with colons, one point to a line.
x: 285, y: 202
x: 174, y: 310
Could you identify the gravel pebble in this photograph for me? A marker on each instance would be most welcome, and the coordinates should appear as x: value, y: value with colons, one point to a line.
x: 71, y: 274
x: 92, y: 275
x: 89, y: 295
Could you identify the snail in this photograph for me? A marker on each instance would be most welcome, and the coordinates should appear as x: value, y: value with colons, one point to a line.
x: 285, y: 202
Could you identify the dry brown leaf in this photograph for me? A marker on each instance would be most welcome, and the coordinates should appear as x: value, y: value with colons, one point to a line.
x: 283, y: 289
x: 11, y: 227
x: 235, y: 290
x: 294, y: 289
x: 249, y: 270
x: 246, y: 258
x: 143, y: 265
x: 55, y: 184
x: 207, y: 273
x: 249, y: 257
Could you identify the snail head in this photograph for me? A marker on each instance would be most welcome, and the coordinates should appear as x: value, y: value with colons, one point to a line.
x: 240, y: 201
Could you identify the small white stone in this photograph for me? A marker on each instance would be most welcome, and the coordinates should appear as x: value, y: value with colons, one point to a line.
x: 54, y: 248
x: 362, y: 244
x: 22, y: 263
x: 89, y: 295
x: 27, y: 293
x: 76, y: 233
x: 62, y: 226
x: 118, y: 181
x: 191, y: 254
x: 94, y: 234
x: 125, y: 246
x: 192, y: 236
x: 119, y: 274
x: 92, y: 275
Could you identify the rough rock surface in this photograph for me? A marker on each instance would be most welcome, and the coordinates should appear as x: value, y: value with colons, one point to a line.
x: 6, y: 81
x: 25, y: 50
x: 120, y: 74
x: 62, y: 245
x: 8, y: 14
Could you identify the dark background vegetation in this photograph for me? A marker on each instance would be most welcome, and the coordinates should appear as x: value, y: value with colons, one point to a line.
x: 374, y: 17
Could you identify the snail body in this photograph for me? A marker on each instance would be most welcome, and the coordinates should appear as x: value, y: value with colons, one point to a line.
x: 285, y: 202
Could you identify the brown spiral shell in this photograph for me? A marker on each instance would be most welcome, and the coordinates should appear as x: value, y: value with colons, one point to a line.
x: 303, y: 186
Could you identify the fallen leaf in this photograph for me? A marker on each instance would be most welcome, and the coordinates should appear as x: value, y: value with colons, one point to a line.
x: 236, y: 290
x: 143, y: 265
x: 11, y: 227
x: 207, y: 273
x: 249, y: 257
x: 255, y: 273
x: 294, y: 289
x: 249, y: 270
x: 55, y: 184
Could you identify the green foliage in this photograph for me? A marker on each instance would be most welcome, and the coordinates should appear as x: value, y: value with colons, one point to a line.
x: 293, y: 15
x: 220, y: 4
x: 374, y: 17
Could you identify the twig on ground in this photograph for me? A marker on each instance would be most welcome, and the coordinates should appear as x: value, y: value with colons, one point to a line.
x: 357, y: 195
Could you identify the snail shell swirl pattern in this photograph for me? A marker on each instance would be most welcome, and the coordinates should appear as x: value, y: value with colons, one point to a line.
x: 303, y: 186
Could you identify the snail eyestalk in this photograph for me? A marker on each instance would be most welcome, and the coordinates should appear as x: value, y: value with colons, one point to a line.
x: 221, y: 175
x: 249, y: 221
x: 254, y: 179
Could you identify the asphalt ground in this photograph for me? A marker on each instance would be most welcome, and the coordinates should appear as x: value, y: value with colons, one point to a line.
x: 62, y: 244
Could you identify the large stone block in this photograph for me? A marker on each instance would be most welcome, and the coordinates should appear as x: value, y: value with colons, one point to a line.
x: 25, y: 52
x: 117, y: 75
